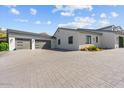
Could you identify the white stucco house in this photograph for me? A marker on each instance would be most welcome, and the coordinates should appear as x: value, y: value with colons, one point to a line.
x: 73, y: 39
x: 67, y: 38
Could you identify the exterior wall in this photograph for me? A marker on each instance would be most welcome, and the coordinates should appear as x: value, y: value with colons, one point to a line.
x: 108, y: 40
x: 82, y: 39
x: 11, y: 41
x: 79, y: 39
x: 53, y: 43
x: 63, y: 36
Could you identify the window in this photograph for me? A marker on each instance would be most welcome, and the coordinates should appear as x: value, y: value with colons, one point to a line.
x: 70, y: 40
x: 59, y: 41
x: 88, y: 39
x: 97, y: 39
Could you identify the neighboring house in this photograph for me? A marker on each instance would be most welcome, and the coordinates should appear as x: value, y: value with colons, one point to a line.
x: 73, y: 39
x: 27, y: 40
x: 3, y: 37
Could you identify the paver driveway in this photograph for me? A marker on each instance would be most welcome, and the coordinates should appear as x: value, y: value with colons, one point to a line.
x: 48, y: 68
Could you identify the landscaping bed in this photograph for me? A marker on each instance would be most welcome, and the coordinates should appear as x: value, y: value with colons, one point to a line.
x: 90, y: 48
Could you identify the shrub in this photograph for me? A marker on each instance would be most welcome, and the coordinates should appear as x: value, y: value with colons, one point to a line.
x: 90, y: 48
x: 84, y: 49
x: 4, y: 46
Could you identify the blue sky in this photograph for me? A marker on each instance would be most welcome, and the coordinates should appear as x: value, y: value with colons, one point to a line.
x: 48, y: 18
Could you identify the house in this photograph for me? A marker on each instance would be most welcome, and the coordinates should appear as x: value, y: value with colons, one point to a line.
x: 73, y: 39
x: 27, y: 40
x: 67, y: 38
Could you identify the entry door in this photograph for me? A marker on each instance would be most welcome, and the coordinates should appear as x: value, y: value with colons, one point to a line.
x: 121, y: 42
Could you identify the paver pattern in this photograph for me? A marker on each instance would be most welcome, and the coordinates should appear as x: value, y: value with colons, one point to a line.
x: 62, y: 69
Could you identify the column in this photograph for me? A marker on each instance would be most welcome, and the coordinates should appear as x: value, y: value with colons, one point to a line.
x: 33, y: 44
x: 11, y: 43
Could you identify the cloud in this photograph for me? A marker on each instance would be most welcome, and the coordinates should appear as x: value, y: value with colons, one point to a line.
x: 10, y: 6
x: 104, y: 22
x: 22, y: 20
x: 67, y: 14
x: 33, y: 11
x: 114, y: 14
x: 38, y: 22
x: 103, y: 15
x: 79, y: 22
x: 93, y: 15
x: 49, y: 22
x: 68, y: 10
x: 14, y: 11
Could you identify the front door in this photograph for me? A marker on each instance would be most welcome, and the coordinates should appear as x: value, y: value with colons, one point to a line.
x: 121, y: 42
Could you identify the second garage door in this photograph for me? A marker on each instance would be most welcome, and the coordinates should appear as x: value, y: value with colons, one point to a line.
x: 42, y: 44
x: 22, y: 43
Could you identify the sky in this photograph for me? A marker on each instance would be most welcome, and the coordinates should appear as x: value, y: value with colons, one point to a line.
x: 47, y: 18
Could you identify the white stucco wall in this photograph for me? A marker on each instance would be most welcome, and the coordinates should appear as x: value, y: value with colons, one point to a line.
x: 63, y: 36
x: 108, y: 40
x: 11, y: 43
x: 53, y: 43
x: 79, y: 39
x: 82, y: 39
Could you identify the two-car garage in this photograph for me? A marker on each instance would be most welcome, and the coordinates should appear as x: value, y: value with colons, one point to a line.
x: 27, y: 40
x: 27, y: 44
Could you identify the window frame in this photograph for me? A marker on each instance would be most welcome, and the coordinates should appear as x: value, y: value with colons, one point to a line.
x: 59, y: 41
x: 97, y: 39
x: 70, y: 40
x: 88, y: 39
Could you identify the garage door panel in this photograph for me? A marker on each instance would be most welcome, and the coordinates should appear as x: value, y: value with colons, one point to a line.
x: 23, y: 44
x: 42, y: 44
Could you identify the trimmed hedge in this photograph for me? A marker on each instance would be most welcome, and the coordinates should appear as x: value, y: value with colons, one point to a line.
x: 4, y: 46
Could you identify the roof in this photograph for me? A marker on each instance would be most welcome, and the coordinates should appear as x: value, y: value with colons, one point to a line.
x: 80, y: 30
x: 96, y: 31
x: 110, y: 26
x: 28, y: 33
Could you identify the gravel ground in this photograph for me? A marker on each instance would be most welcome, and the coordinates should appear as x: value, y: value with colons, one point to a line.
x: 62, y: 69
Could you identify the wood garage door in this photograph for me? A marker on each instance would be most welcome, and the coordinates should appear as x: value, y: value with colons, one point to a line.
x: 42, y: 44
x: 23, y: 44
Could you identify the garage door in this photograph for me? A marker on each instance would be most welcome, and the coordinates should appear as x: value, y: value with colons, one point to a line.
x: 42, y: 44
x: 23, y: 44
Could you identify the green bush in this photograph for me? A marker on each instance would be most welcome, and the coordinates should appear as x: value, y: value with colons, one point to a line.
x: 4, y: 46
x: 90, y: 48
x: 84, y: 49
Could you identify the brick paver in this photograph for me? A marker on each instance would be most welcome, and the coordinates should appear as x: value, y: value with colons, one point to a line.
x: 49, y: 68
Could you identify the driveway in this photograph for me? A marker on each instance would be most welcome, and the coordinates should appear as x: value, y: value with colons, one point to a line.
x: 49, y: 68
